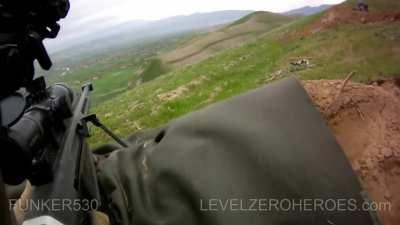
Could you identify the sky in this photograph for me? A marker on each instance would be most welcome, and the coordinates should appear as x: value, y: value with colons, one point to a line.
x: 87, y: 16
x: 158, y: 9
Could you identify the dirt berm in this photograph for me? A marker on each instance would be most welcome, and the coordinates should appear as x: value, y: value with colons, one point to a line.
x: 365, y: 120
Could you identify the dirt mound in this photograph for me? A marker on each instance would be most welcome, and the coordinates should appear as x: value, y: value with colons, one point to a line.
x: 365, y: 119
x: 345, y: 14
x: 342, y: 14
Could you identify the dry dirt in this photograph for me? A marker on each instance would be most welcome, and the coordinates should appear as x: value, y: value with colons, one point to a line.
x: 365, y: 120
x: 344, y: 14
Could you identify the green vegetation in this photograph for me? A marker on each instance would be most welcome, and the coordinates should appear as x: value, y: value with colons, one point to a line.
x: 244, y: 19
x: 334, y: 53
x: 369, y: 50
x: 204, y: 46
x: 204, y: 83
x: 139, y: 91
x: 114, y: 73
x: 154, y: 69
x: 110, y: 78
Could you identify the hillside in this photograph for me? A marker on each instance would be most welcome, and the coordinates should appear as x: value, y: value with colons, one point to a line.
x: 377, y: 5
x: 328, y: 45
x: 117, y: 36
x: 333, y: 50
x: 365, y: 121
x: 308, y: 10
x: 209, y: 44
x: 118, y: 58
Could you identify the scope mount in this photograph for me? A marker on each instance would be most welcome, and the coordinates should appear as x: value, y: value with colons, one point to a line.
x: 13, y: 106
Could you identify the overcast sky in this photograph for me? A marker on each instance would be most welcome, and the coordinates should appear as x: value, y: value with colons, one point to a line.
x: 157, y: 9
x: 87, y: 16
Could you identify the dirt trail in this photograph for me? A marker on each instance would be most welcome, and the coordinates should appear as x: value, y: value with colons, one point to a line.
x: 344, y: 14
x: 365, y: 119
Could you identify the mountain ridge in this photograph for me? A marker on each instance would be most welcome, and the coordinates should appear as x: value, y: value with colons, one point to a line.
x: 139, y: 30
x: 307, y: 10
x: 232, y: 35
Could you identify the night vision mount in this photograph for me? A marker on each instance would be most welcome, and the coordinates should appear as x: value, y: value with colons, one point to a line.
x: 23, y: 27
x: 43, y: 130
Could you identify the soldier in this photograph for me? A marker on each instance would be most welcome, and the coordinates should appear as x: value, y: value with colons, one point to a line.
x: 265, y: 157
x: 362, y: 6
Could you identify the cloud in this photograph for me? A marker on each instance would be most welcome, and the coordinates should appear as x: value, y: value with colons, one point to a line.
x: 156, y: 9
x: 87, y: 16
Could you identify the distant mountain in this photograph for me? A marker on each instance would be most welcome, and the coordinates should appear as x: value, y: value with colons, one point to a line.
x: 306, y: 11
x: 137, y: 31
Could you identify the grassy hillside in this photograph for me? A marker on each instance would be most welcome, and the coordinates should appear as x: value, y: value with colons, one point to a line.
x: 307, y: 10
x: 114, y: 73
x: 118, y: 58
x: 372, y: 50
x: 153, y: 69
x: 243, y: 30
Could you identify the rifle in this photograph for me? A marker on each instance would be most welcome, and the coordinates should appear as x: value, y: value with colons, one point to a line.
x: 43, y: 129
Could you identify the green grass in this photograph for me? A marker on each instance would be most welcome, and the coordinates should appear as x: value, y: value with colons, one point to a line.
x: 233, y: 35
x: 369, y: 50
x: 116, y: 72
x: 243, y: 19
x: 154, y: 69
x: 261, y: 16
x: 109, y: 79
x: 130, y: 85
x: 113, y: 84
x: 143, y: 107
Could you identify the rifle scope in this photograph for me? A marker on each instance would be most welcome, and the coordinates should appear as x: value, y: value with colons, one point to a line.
x: 38, y: 130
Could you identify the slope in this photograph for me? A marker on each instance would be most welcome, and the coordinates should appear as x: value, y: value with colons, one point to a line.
x: 117, y: 36
x: 333, y: 44
x: 118, y: 58
x: 306, y: 11
x: 372, y: 50
x: 243, y: 30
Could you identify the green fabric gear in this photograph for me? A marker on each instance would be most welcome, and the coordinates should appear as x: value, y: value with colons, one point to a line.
x: 270, y: 143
